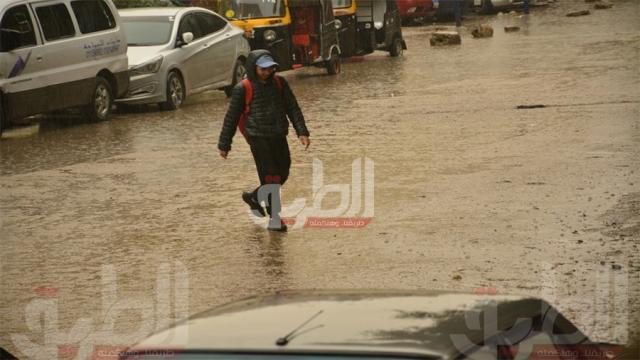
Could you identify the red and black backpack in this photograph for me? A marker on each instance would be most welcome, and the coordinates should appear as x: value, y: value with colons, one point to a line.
x: 248, y: 96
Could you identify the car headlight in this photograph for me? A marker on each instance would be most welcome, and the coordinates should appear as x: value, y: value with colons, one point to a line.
x: 337, y: 24
x: 270, y: 35
x: 148, y: 67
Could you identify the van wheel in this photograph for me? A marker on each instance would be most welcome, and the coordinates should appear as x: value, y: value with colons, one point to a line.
x: 175, y: 92
x: 333, y: 64
x: 395, y: 49
x: 101, y: 102
x: 239, y: 72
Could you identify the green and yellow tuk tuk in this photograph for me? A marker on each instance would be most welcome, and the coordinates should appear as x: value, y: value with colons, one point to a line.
x: 297, y: 32
x: 344, y: 11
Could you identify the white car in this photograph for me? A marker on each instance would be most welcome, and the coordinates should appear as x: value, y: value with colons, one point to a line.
x: 176, y: 51
x: 372, y: 324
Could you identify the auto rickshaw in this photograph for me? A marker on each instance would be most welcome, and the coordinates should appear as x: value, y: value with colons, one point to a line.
x: 369, y: 25
x: 345, y: 12
x: 379, y: 26
x: 297, y: 32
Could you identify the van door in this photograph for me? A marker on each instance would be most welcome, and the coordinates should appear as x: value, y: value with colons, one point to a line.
x: 101, y: 43
x: 20, y: 63
x: 63, y: 57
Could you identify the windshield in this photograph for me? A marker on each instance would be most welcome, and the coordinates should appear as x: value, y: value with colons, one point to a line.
x: 147, y: 31
x: 338, y: 4
x: 252, y: 9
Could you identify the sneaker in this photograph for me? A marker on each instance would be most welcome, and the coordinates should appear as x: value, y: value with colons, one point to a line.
x: 253, y: 204
x: 281, y: 228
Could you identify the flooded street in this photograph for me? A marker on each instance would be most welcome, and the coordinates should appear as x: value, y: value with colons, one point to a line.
x: 115, y: 229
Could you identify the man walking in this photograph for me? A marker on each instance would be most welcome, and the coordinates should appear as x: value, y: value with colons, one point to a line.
x: 263, y: 102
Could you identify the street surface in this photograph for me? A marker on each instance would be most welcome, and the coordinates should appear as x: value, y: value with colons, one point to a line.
x: 115, y: 229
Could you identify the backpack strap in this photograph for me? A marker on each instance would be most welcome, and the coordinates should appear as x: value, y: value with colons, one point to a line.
x: 248, y: 95
x: 278, y: 81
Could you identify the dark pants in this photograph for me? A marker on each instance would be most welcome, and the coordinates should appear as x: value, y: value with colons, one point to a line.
x: 273, y: 161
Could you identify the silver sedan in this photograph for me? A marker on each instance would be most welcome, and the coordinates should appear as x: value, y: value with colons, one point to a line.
x: 176, y: 52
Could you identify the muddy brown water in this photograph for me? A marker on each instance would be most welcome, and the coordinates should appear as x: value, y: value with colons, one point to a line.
x: 117, y: 228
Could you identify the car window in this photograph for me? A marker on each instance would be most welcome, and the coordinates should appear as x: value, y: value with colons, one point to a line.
x: 254, y: 9
x: 337, y: 4
x: 147, y: 31
x: 190, y: 24
x: 210, y: 23
x: 55, y: 21
x: 93, y: 15
x: 16, y: 29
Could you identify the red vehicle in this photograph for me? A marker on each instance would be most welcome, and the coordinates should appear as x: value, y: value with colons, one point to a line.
x: 414, y: 10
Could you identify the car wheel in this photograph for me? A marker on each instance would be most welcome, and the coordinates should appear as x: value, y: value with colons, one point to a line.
x: 175, y: 92
x: 333, y: 64
x: 239, y: 72
x: 395, y: 49
x: 101, y: 102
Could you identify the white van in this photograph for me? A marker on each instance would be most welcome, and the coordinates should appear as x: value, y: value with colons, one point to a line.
x: 57, y: 54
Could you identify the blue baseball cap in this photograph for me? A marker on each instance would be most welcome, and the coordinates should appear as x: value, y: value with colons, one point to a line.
x: 266, y: 61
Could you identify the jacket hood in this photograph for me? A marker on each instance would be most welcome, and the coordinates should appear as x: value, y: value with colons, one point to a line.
x: 252, y: 58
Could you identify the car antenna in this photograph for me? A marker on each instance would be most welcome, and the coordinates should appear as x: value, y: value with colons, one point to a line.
x: 283, y: 341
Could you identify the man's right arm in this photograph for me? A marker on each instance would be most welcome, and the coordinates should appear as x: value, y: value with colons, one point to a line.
x: 230, y: 124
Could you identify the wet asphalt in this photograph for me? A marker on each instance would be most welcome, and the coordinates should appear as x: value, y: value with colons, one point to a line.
x: 469, y: 191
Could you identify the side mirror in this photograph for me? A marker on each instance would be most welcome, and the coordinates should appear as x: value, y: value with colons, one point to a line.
x: 186, y: 38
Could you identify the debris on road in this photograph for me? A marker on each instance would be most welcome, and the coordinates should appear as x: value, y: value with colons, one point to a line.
x: 534, y: 106
x: 579, y: 13
x: 511, y: 28
x: 482, y: 31
x: 440, y: 38
x: 540, y: 3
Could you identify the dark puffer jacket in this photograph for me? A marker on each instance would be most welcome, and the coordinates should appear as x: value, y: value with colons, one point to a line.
x: 268, y: 110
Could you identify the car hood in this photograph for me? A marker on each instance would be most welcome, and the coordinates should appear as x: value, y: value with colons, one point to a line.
x: 384, y: 321
x: 141, y: 54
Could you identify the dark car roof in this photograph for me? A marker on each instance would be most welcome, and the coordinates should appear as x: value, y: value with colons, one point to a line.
x: 365, y: 322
